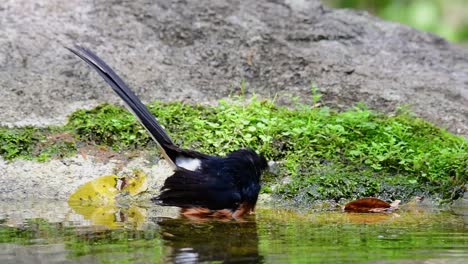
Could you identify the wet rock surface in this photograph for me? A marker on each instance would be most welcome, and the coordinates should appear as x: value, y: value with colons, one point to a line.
x: 23, y: 180
x: 200, y: 51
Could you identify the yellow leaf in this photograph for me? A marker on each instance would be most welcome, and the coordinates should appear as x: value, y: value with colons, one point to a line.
x: 136, y: 184
x: 100, y: 191
x: 95, y: 200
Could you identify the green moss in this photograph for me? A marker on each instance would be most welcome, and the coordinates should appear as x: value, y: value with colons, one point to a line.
x: 323, y: 154
x: 107, y: 125
x: 17, y: 142
x: 35, y: 143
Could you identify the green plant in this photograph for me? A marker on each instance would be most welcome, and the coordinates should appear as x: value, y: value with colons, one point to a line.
x: 15, y: 142
x: 324, y: 154
x: 445, y: 18
x: 316, y: 95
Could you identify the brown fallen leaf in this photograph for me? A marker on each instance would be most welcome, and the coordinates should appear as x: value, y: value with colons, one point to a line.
x: 370, y: 205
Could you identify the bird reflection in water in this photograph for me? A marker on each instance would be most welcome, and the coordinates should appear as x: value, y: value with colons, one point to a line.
x: 211, y: 240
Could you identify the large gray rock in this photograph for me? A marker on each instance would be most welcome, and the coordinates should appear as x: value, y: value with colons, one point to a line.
x: 200, y: 51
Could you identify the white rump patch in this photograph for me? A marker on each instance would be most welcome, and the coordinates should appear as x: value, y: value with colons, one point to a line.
x: 188, y: 163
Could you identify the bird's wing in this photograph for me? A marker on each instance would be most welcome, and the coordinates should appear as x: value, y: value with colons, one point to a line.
x: 196, y: 189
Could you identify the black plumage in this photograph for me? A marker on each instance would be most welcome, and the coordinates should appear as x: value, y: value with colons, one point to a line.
x: 202, y: 182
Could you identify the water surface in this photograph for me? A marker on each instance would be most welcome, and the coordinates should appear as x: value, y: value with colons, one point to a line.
x: 135, y: 235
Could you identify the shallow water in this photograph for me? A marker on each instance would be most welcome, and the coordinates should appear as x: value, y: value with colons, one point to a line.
x: 138, y: 235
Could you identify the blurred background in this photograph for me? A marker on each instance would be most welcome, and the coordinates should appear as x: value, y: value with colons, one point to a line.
x: 446, y: 18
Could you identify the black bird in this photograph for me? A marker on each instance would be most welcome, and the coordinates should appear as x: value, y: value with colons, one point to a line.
x: 202, y: 185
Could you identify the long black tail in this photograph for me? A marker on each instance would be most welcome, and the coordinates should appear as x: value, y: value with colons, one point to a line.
x: 134, y: 104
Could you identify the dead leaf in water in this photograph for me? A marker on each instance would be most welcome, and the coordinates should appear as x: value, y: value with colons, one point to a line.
x: 135, y: 216
x: 101, y: 191
x: 136, y: 184
x: 112, y: 216
x: 370, y: 205
x: 96, y: 200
